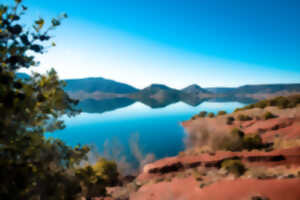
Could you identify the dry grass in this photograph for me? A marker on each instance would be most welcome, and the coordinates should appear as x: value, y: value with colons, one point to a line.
x: 272, y: 172
x: 280, y: 143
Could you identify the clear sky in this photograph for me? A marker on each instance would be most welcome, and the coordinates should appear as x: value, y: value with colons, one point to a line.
x: 175, y: 42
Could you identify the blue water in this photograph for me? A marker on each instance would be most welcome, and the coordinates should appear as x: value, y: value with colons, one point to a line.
x: 157, y: 131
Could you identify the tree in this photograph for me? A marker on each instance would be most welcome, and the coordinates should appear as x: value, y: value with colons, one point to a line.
x: 31, y: 166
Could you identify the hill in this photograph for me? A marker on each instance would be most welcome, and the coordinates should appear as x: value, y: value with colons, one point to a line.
x: 99, y: 84
x: 256, y: 89
x: 195, y: 90
x: 157, y: 95
x: 256, y: 157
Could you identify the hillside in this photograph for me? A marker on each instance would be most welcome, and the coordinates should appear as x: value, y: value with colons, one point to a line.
x: 262, y: 91
x: 157, y: 95
x: 251, y: 154
x: 195, y: 90
x: 90, y: 85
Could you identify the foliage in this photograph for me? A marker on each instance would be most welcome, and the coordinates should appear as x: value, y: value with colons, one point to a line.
x: 269, y: 115
x: 237, y: 133
x: 107, y: 170
x: 280, y: 102
x: 229, y: 120
x: 238, y: 141
x: 202, y: 114
x: 235, y: 167
x: 31, y: 166
x: 221, y: 112
x: 95, y: 178
x: 211, y: 115
x: 243, y: 117
x: 251, y: 142
x: 233, y: 142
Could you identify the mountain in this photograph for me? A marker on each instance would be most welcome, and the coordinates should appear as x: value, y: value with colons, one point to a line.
x: 157, y: 95
x: 195, y: 95
x: 220, y: 90
x: 267, y: 88
x: 195, y: 90
x: 100, y: 106
x: 90, y: 85
x: 256, y: 89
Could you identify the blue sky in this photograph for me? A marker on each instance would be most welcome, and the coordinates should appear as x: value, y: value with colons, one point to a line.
x: 175, y: 42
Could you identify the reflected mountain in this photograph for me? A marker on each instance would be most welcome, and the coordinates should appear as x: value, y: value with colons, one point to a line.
x: 244, y: 100
x: 105, y: 105
x: 101, y: 106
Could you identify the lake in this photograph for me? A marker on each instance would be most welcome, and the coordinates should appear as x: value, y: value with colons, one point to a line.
x: 133, y: 132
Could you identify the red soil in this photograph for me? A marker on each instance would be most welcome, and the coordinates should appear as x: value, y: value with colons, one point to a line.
x: 239, y: 189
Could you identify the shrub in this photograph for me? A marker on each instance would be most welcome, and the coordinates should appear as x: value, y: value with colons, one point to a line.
x: 210, y: 115
x: 281, y: 102
x: 202, y: 114
x: 243, y: 117
x: 259, y: 198
x: 261, y: 104
x: 235, y: 167
x: 107, y: 170
x: 95, y: 178
x: 222, y: 112
x: 229, y: 120
x: 269, y: 115
x: 232, y: 142
x: 238, y: 141
x: 237, y: 133
x: 251, y: 142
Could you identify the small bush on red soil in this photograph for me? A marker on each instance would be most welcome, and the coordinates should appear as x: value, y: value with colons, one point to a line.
x: 243, y: 117
x: 238, y: 141
x: 230, y: 120
x: 202, y: 114
x: 211, y: 115
x: 222, y: 112
x: 269, y: 115
x: 235, y: 167
x: 280, y: 102
x: 251, y: 142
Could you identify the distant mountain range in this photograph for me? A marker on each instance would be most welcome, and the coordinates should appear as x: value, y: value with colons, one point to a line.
x: 158, y: 95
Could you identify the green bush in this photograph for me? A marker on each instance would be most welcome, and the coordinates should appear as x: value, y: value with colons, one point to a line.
x: 233, y: 142
x: 202, y: 114
x: 229, y: 120
x: 242, y: 117
x: 31, y: 165
x: 222, y: 112
x: 237, y: 133
x: 95, y: 178
x: 211, y: 115
x: 269, y: 115
x: 238, y: 141
x: 107, y: 170
x: 280, y: 102
x: 251, y: 142
x: 235, y: 167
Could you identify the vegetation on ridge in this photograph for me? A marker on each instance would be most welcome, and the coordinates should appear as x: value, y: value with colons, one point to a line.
x: 31, y: 166
x: 280, y: 102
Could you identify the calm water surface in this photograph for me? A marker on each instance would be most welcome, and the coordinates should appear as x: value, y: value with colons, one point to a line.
x: 120, y: 132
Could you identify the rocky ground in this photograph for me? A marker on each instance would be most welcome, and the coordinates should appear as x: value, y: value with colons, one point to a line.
x: 268, y: 173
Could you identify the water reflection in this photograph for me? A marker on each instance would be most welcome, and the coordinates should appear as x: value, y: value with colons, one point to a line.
x: 160, y: 134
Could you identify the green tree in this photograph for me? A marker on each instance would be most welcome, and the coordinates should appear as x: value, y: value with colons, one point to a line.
x: 31, y: 166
